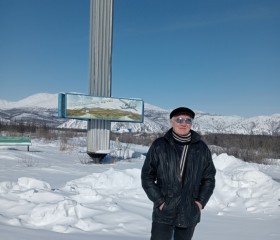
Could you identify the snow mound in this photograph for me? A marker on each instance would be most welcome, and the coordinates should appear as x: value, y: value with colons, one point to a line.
x: 240, y: 185
x: 91, y: 203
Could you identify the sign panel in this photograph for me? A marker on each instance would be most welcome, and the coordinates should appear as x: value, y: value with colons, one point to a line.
x: 85, y: 107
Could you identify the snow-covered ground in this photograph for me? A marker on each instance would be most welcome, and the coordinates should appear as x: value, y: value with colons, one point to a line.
x: 49, y: 194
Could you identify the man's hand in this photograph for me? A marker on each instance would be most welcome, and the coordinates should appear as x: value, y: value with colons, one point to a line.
x: 161, y: 206
x: 198, y: 204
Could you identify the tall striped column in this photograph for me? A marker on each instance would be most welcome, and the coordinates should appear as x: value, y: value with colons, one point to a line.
x: 100, y: 77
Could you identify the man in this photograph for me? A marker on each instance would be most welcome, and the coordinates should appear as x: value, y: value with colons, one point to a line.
x: 178, y: 176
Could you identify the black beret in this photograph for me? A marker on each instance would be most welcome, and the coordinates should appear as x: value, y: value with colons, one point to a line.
x: 182, y: 110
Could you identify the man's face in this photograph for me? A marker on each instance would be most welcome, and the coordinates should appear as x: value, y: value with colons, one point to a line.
x: 181, y: 124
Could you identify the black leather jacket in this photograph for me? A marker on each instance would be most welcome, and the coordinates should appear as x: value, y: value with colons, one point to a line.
x: 162, y: 184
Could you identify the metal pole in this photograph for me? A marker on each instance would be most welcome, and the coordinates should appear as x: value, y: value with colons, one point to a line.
x: 100, y: 79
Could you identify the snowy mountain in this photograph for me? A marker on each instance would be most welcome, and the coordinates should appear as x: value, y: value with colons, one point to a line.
x: 38, y: 109
x: 40, y: 100
x: 42, y: 108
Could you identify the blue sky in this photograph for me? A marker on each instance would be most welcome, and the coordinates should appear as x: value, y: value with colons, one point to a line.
x: 218, y: 56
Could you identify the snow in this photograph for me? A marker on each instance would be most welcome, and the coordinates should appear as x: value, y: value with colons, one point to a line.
x: 39, y: 100
x: 49, y: 194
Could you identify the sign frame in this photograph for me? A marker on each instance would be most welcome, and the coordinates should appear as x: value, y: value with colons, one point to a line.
x: 87, y: 107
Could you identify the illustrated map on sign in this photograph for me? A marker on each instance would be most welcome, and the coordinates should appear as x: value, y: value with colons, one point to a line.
x: 106, y: 108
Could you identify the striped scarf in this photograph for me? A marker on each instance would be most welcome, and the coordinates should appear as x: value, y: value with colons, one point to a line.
x: 182, y: 140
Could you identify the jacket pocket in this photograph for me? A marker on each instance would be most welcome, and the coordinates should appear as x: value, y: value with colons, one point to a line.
x: 196, y: 214
x: 196, y: 206
x: 168, y: 211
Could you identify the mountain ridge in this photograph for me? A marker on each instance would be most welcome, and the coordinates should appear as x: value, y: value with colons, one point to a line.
x: 42, y: 107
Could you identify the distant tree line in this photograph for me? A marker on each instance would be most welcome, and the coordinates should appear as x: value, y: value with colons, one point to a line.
x: 251, y: 148
x: 143, y: 138
x: 37, y: 130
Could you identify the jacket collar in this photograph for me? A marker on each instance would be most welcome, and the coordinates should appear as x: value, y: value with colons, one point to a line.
x: 195, y: 136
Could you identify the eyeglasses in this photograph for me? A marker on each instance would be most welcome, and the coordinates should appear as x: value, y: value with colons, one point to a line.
x: 183, y: 120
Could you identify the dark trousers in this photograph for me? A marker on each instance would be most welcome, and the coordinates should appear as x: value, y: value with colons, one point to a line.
x: 162, y: 231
